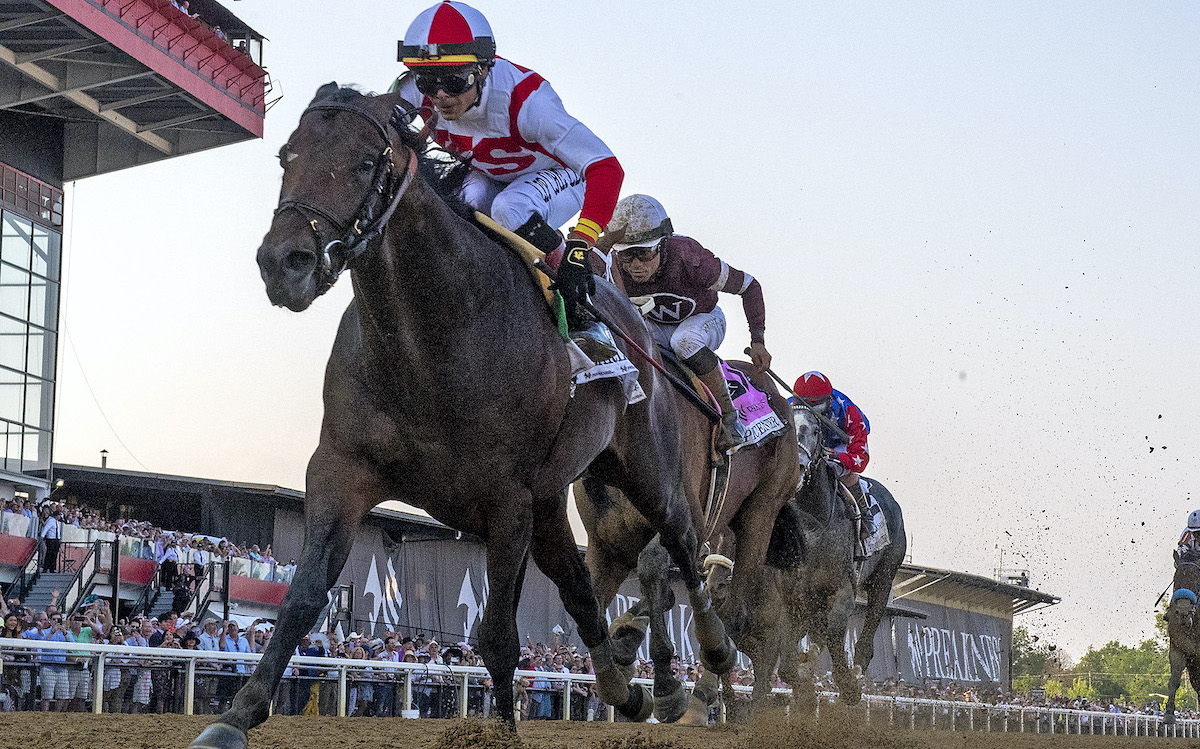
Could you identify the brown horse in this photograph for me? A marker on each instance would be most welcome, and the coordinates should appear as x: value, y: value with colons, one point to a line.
x: 1182, y: 632
x: 808, y: 586
x: 761, y: 479
x: 448, y: 388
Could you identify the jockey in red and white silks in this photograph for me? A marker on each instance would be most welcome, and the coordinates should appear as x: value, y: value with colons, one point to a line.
x: 528, y: 153
x: 534, y: 165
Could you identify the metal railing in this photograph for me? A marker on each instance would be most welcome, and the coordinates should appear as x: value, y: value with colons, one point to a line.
x: 199, y: 678
x: 85, y: 578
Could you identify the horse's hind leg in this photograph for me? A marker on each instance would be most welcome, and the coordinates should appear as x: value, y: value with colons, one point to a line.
x: 339, y: 494
x: 556, y: 555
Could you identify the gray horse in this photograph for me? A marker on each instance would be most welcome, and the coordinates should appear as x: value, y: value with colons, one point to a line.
x: 809, y: 585
x: 1182, y: 632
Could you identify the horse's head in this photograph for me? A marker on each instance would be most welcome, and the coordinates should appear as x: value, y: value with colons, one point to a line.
x: 809, y: 438
x: 344, y: 170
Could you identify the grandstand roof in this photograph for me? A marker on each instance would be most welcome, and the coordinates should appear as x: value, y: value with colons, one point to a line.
x: 127, y: 82
x: 933, y: 582
x: 175, y: 497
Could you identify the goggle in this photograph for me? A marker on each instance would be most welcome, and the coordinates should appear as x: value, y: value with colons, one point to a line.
x: 453, y: 82
x: 644, y: 254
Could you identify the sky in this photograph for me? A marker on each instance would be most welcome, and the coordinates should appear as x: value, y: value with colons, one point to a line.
x: 980, y: 220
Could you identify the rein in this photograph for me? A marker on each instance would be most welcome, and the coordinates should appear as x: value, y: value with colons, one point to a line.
x: 387, y: 188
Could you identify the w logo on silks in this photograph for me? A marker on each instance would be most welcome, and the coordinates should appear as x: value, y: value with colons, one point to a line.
x: 671, y: 308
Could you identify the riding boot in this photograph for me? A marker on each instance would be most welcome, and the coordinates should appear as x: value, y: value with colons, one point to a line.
x: 732, y: 434
x: 867, y: 517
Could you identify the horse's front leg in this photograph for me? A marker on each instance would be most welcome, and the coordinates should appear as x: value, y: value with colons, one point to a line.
x: 507, y: 546
x: 833, y: 631
x: 339, y: 494
x: 670, y: 699
x: 1178, y: 661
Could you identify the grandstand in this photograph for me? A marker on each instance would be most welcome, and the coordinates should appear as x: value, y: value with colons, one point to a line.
x: 408, y: 573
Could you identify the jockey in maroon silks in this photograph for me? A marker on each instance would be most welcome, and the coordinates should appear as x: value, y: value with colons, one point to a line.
x: 533, y: 166
x: 847, y: 456
x: 683, y: 279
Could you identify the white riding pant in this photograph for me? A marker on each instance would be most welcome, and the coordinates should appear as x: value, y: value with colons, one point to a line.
x: 701, y: 330
x: 554, y: 194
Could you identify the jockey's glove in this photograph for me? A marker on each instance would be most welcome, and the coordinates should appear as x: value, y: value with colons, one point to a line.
x: 575, y: 278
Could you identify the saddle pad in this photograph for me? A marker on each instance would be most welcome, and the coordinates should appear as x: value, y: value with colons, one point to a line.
x: 878, y: 540
x: 594, y: 356
x: 760, y: 420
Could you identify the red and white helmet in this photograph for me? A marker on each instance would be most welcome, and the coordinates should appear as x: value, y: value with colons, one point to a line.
x: 449, y: 33
x: 812, y: 387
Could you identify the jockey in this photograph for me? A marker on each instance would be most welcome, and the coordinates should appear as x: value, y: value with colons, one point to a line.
x: 847, y: 458
x: 1189, y: 541
x: 683, y: 279
x: 533, y: 166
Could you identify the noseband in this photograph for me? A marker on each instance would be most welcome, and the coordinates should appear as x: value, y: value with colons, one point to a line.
x: 367, y: 223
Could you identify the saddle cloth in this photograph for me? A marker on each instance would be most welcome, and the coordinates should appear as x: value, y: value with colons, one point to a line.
x: 594, y: 356
x: 878, y: 540
x: 759, y: 419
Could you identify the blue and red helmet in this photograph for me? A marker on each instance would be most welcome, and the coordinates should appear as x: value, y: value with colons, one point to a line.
x: 812, y: 387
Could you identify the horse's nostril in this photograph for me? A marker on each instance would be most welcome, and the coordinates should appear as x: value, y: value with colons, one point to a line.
x: 299, y: 260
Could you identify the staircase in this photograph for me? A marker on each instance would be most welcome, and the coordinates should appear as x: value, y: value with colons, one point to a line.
x: 42, y: 592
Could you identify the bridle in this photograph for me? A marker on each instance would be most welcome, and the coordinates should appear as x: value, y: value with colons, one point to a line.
x: 376, y: 208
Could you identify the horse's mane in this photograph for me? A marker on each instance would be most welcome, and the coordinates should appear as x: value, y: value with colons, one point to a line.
x: 441, y: 171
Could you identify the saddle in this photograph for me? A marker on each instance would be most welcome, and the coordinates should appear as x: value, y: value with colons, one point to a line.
x: 593, y: 352
x: 761, y: 421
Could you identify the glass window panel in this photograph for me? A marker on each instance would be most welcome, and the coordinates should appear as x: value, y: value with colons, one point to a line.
x: 12, y: 342
x: 33, y: 403
x: 40, y: 359
x: 12, y: 450
x: 15, y: 238
x: 14, y: 292
x: 46, y: 252
x: 43, y: 307
x: 12, y: 388
x: 37, y: 451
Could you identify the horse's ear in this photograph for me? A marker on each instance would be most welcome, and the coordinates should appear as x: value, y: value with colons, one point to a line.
x: 326, y: 91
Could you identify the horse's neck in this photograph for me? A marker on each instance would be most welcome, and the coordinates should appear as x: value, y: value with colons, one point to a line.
x: 819, y: 495
x: 430, y: 276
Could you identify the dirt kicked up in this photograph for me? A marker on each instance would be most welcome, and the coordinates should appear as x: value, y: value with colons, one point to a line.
x: 836, y: 730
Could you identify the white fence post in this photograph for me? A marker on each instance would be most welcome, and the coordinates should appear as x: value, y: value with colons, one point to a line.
x: 343, y: 691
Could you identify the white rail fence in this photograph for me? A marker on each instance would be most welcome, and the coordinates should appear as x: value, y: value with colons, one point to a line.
x: 25, y: 663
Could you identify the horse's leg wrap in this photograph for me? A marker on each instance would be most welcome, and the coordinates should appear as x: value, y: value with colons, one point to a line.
x: 670, y: 707
x: 221, y: 736
x: 717, y: 650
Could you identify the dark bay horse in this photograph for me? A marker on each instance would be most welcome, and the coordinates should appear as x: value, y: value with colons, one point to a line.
x: 1182, y: 632
x: 761, y: 479
x: 808, y: 586
x: 449, y: 388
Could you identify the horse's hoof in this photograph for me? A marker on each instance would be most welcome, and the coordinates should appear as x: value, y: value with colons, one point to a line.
x: 696, y: 713
x: 221, y: 736
x: 640, y: 705
x: 670, y: 707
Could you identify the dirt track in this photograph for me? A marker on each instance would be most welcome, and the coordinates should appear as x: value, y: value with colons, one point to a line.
x: 83, y: 731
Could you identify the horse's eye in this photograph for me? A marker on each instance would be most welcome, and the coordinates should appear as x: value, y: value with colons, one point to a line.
x: 367, y: 166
